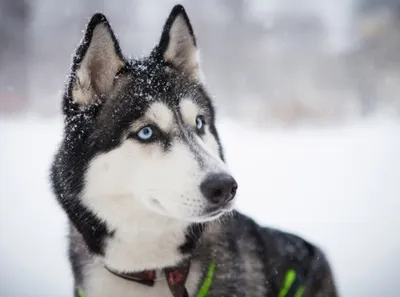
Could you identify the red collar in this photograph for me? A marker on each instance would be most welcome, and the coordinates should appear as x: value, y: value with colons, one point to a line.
x: 176, y: 277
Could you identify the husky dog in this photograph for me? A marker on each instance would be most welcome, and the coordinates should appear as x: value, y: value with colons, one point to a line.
x: 141, y: 175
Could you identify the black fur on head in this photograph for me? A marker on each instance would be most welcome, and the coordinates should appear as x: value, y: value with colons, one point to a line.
x: 106, y: 93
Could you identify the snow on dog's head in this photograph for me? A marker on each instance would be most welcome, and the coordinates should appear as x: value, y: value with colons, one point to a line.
x: 145, y: 128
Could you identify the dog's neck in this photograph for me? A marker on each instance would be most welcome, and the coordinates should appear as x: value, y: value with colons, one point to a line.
x: 147, y: 241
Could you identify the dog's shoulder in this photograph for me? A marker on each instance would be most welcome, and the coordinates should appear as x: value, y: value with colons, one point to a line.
x: 291, y: 258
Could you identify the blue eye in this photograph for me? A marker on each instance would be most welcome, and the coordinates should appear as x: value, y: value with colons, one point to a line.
x: 199, y: 122
x: 145, y: 133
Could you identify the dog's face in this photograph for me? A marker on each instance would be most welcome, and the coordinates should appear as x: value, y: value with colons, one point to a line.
x: 148, y: 127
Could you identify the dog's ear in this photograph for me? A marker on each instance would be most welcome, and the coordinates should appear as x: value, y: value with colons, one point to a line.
x: 96, y: 62
x: 178, y: 43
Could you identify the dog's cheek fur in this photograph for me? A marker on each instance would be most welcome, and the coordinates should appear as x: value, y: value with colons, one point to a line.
x: 135, y: 174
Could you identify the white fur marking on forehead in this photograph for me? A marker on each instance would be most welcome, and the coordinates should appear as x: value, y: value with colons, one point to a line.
x: 161, y: 115
x: 189, y: 111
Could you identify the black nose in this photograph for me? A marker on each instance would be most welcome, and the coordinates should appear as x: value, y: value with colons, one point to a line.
x: 219, y: 188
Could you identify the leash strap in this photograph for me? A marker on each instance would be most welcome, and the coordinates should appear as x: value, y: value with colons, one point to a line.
x: 292, y: 285
x: 205, y: 287
x: 80, y: 293
x: 146, y: 277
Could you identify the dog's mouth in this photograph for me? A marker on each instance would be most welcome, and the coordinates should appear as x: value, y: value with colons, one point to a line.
x: 216, y: 211
x: 209, y: 214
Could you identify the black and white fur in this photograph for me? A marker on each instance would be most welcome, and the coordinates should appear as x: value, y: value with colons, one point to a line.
x: 136, y: 205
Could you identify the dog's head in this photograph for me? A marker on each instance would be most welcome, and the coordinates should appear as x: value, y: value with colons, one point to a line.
x: 145, y: 128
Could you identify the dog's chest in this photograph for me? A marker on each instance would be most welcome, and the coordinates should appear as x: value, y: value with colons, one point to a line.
x: 101, y: 283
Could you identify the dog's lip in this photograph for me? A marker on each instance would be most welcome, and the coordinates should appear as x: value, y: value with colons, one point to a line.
x: 213, y: 215
x: 216, y: 210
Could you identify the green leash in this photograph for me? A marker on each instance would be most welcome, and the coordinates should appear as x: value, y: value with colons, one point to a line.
x: 80, y: 293
x: 290, y: 278
x: 204, y: 289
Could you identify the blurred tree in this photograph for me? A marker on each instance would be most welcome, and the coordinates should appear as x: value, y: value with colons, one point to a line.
x: 376, y: 61
x: 365, y: 6
x: 14, y: 18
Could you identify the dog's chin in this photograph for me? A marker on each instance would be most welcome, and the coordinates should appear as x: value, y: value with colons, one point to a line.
x: 212, y: 213
x: 205, y: 215
x: 208, y: 217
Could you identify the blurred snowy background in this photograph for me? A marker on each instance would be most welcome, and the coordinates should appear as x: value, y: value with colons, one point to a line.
x: 308, y: 101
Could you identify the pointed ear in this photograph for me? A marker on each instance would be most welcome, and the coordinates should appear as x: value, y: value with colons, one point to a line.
x: 96, y: 63
x: 178, y: 43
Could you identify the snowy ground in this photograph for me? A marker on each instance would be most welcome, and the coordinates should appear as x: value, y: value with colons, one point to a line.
x: 338, y: 187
